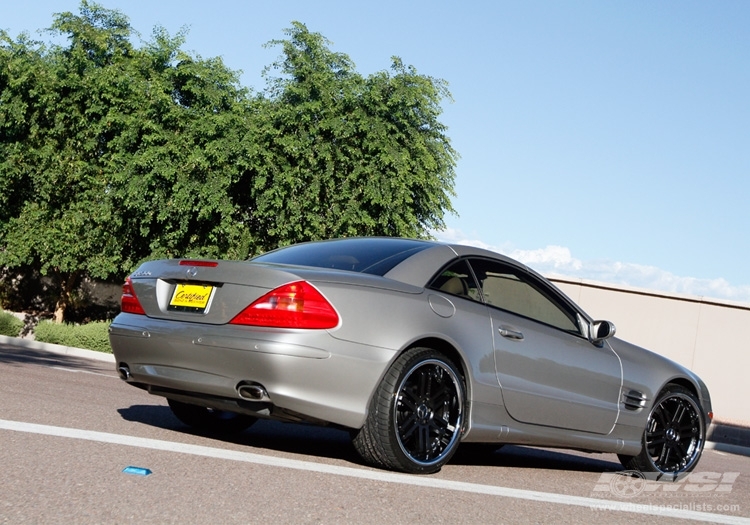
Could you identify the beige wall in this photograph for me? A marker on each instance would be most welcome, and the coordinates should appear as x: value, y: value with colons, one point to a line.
x: 710, y: 337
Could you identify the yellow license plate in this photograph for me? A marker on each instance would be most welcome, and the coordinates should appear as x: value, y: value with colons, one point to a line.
x: 191, y: 297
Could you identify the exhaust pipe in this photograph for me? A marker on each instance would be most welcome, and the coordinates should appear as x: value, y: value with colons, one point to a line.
x: 252, y: 392
x: 124, y: 372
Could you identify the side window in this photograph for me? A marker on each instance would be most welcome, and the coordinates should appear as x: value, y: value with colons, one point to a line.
x: 458, y: 280
x: 515, y: 291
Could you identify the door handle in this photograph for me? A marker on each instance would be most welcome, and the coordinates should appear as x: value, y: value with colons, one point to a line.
x: 511, y: 334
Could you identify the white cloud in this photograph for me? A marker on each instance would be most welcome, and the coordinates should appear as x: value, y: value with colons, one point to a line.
x: 559, y: 261
x: 654, y: 278
x: 455, y: 236
x: 557, y: 258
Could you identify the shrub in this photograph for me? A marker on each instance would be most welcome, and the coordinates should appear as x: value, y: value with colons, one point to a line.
x: 10, y: 325
x: 91, y: 336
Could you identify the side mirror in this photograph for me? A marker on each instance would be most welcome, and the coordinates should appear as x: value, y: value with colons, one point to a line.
x: 600, y: 331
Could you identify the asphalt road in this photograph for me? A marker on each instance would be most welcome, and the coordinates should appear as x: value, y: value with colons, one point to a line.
x: 69, y: 428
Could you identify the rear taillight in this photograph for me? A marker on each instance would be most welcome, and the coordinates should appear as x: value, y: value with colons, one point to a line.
x: 129, y: 302
x: 294, y: 305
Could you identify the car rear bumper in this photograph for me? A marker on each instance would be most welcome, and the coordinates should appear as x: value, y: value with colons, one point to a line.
x: 294, y: 368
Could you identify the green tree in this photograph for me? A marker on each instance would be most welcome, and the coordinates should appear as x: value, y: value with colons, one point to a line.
x: 177, y: 155
x: 22, y: 70
x: 112, y: 154
x: 337, y: 154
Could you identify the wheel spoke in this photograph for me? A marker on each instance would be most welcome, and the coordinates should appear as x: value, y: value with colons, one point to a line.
x: 678, y: 413
x: 664, y: 455
x: 655, y: 439
x: 656, y: 442
x: 408, y: 426
x: 687, y: 431
x: 439, y: 424
x: 661, y: 416
x: 424, y: 382
x: 682, y: 449
x: 655, y: 434
x: 445, y: 391
x: 408, y: 400
x: 423, y: 441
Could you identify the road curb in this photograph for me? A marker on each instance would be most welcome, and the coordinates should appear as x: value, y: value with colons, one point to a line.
x: 57, y: 349
x: 729, y: 449
x: 729, y: 437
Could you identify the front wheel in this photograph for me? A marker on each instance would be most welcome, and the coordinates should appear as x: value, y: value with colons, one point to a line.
x: 416, y: 415
x: 209, y: 419
x: 674, y: 436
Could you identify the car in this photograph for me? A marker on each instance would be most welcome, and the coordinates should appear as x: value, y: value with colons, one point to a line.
x: 414, y: 346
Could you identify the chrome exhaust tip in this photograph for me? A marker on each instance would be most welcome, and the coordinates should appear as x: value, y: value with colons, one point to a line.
x: 252, y: 391
x: 124, y: 372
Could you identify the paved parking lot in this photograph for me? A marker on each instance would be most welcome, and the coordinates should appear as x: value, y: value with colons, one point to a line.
x: 69, y: 428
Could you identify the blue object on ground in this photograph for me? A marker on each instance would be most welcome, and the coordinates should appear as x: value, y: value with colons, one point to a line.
x: 138, y: 471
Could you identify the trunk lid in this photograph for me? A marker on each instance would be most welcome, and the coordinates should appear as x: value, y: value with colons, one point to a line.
x: 211, y: 292
x: 214, y: 292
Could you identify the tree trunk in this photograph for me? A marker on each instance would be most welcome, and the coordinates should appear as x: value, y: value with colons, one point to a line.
x: 67, y: 285
x: 59, y: 312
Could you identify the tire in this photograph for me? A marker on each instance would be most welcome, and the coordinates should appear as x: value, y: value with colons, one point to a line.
x: 673, y: 438
x: 416, y: 415
x: 209, y: 419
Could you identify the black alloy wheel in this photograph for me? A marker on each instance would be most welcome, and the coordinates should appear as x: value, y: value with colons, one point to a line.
x: 417, y: 414
x: 674, y: 436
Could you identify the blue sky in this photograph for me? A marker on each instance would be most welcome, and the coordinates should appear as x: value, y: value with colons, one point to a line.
x: 605, y: 140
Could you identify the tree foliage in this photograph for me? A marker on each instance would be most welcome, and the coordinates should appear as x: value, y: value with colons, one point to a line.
x: 342, y: 154
x: 112, y: 153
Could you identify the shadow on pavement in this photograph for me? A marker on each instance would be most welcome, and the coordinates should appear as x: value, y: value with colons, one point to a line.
x: 16, y: 355
x: 293, y: 438
x: 334, y: 443
x: 524, y: 457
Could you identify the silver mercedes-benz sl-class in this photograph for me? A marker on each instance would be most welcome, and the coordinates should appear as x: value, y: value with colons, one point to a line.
x: 412, y: 345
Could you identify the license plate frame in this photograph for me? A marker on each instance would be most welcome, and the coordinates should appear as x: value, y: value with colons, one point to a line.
x: 191, y: 297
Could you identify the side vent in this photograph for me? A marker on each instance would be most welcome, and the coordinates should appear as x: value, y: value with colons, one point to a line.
x: 633, y: 400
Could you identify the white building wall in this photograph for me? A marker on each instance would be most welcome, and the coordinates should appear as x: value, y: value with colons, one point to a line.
x: 710, y: 337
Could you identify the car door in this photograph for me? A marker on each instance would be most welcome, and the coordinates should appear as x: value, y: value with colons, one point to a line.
x: 549, y: 373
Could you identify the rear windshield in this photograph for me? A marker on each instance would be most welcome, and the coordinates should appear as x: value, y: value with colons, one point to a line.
x: 376, y: 256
